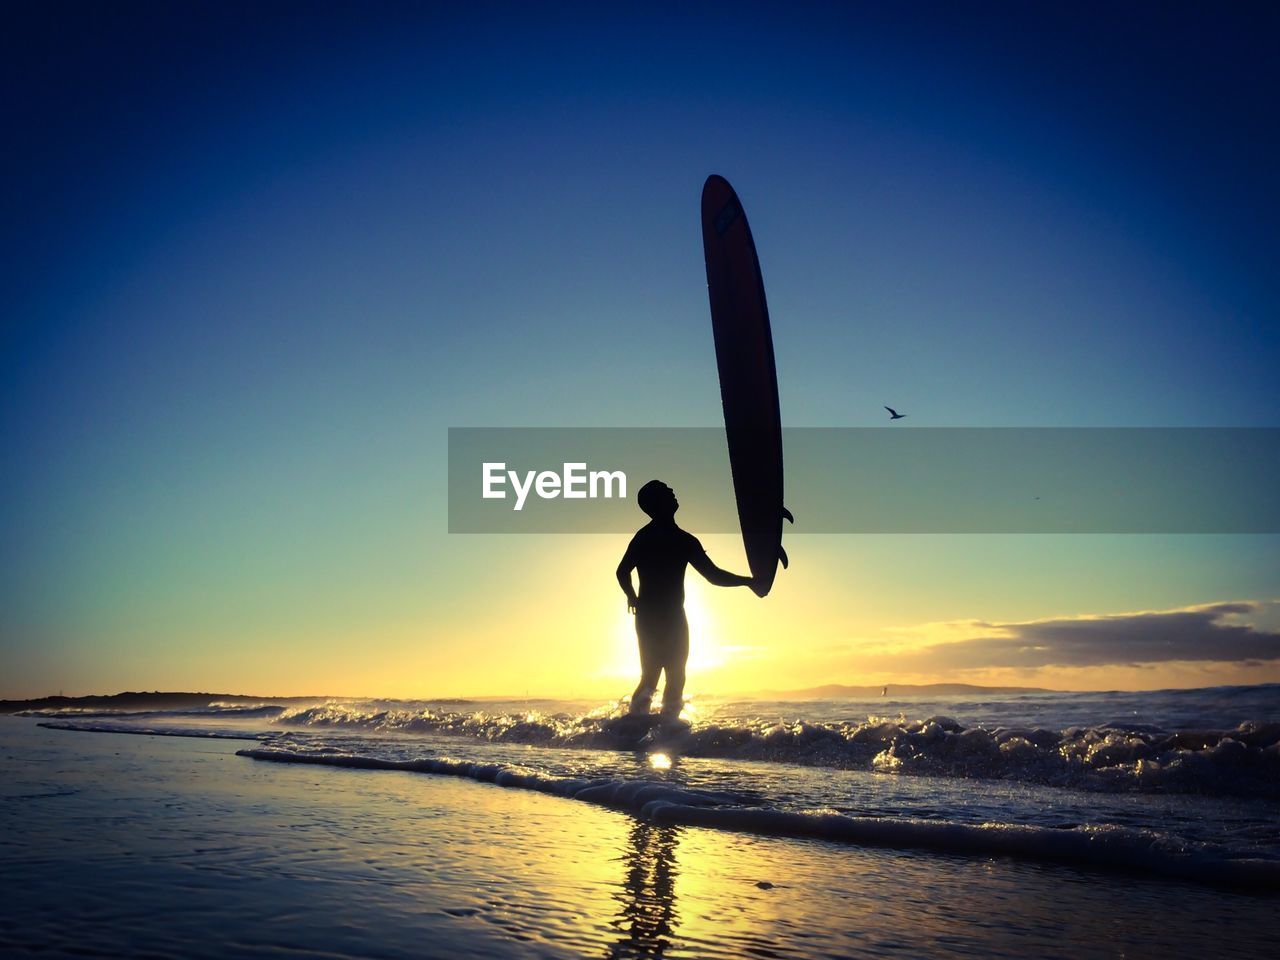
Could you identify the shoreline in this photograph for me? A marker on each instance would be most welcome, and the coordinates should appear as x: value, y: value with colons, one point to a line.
x: 139, y: 844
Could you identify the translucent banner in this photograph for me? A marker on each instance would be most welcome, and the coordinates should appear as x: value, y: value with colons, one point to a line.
x: 877, y: 479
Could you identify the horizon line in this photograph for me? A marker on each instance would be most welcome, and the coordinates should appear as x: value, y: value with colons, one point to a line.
x: 747, y: 695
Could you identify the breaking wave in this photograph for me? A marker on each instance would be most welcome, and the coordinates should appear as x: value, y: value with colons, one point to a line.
x: 1111, y: 757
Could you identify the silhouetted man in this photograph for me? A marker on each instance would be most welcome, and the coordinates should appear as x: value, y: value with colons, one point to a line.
x: 659, y: 551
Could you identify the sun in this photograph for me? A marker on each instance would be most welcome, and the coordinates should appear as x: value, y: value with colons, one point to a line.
x: 706, y: 652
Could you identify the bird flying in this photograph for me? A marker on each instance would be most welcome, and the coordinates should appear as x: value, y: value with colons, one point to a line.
x: 894, y: 414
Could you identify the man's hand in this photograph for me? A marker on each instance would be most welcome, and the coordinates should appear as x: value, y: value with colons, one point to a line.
x: 717, y: 577
x: 631, y: 605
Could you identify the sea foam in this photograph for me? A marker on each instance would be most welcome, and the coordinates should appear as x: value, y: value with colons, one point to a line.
x: 147, y: 730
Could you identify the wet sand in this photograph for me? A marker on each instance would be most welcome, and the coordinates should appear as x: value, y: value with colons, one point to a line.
x: 154, y: 846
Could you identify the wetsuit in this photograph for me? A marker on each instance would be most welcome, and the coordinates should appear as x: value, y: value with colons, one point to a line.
x: 659, y: 552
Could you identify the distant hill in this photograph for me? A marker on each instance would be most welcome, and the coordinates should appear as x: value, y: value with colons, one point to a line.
x: 837, y: 691
x: 144, y: 701
x: 156, y: 700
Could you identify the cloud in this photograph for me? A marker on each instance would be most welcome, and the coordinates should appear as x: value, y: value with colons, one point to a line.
x: 1215, y: 632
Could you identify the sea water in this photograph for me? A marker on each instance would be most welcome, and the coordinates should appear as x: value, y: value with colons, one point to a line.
x: 1182, y: 780
x: 176, y: 846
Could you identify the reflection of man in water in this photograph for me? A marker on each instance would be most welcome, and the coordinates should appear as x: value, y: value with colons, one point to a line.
x: 659, y: 551
x: 648, y: 918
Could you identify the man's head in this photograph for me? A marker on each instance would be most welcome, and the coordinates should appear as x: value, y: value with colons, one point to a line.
x: 658, y: 500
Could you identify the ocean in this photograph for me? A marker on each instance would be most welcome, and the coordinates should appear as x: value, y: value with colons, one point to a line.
x: 1157, y: 813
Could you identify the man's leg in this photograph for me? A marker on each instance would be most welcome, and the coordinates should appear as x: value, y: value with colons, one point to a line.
x: 677, y: 656
x: 650, y: 666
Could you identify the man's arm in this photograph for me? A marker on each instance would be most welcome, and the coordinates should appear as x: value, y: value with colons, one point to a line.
x: 624, y: 578
x: 714, y: 575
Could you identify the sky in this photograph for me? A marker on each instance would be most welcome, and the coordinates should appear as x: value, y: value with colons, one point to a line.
x: 255, y: 260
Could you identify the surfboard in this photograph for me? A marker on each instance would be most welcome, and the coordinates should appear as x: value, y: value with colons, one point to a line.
x: 748, y: 378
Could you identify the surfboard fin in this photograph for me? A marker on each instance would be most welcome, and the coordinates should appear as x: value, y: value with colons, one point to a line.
x: 782, y: 555
x: 786, y: 515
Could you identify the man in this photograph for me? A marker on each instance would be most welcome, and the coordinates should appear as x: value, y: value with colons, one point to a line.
x: 660, y: 550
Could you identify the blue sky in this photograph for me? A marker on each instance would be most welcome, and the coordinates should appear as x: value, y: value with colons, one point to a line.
x: 257, y: 259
